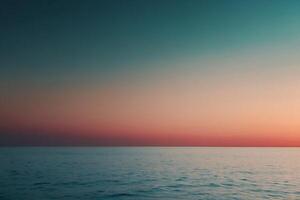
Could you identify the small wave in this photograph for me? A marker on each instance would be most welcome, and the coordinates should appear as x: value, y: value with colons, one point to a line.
x: 41, y: 183
x: 121, y: 195
x: 214, y: 185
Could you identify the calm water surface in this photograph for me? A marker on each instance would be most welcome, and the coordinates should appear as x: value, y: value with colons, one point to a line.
x: 149, y: 173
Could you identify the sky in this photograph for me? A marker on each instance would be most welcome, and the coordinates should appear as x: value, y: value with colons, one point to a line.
x: 150, y: 73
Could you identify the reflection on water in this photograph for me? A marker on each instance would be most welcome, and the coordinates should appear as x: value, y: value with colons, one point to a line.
x: 149, y: 173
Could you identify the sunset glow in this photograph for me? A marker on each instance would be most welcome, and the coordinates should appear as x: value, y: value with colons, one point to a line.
x: 189, y: 84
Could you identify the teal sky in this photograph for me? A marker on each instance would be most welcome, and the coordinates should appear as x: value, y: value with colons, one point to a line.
x: 52, y: 39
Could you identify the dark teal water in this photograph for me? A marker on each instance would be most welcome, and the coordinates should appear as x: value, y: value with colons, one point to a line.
x: 149, y: 173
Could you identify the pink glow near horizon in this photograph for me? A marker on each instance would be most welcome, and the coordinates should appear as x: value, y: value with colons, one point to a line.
x: 232, y: 107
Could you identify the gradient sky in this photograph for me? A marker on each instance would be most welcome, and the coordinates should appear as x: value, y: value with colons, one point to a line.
x: 137, y: 72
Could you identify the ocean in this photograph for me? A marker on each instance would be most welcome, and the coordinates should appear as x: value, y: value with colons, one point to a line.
x: 150, y: 173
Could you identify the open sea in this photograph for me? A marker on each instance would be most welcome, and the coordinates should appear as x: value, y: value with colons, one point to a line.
x: 150, y: 173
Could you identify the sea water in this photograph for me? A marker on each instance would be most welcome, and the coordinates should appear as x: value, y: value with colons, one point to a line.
x: 42, y: 173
